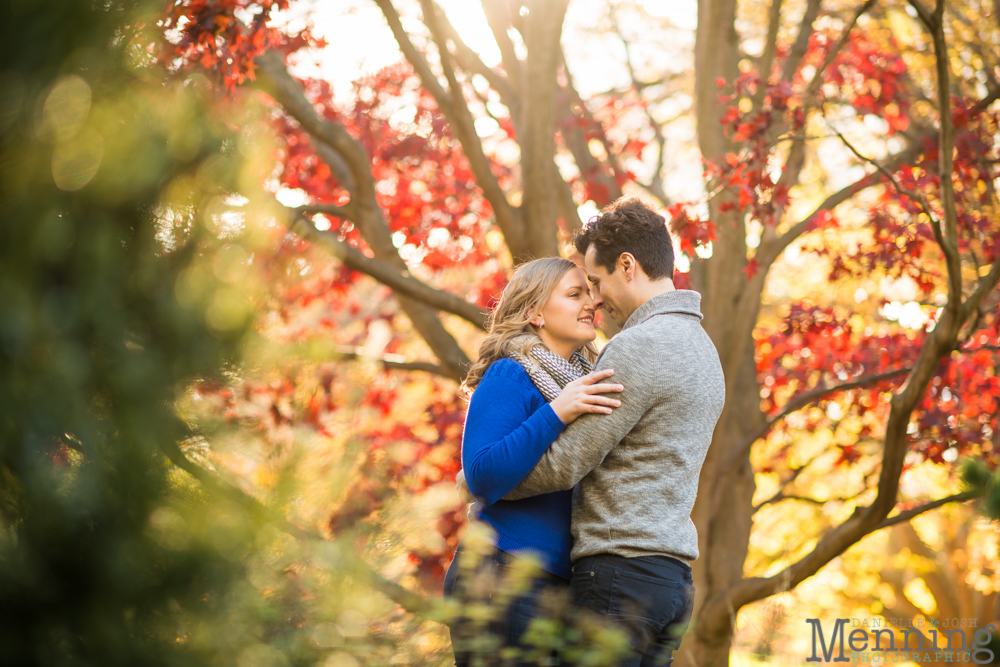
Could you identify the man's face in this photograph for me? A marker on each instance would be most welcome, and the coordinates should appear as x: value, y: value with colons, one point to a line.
x: 610, y: 289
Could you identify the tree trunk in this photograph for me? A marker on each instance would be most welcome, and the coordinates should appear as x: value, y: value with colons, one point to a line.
x: 723, y: 510
x: 538, y: 126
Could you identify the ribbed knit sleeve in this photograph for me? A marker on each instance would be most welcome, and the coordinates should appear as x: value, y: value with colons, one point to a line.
x: 508, y: 428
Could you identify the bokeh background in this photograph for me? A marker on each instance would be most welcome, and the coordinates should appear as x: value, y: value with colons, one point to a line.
x: 247, y: 248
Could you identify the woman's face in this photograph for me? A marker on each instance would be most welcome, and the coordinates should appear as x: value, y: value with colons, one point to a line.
x: 566, y: 321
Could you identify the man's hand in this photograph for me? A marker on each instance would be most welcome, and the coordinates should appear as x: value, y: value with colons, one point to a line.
x: 463, y: 488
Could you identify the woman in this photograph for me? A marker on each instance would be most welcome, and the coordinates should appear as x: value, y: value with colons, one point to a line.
x: 532, y: 378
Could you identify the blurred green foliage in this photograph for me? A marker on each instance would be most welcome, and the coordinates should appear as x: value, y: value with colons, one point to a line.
x: 116, y: 289
x: 978, y: 479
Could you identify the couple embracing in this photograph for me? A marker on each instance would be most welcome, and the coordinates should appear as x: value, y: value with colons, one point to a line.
x: 585, y: 467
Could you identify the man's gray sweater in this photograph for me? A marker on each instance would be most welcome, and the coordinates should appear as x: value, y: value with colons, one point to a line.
x: 636, y: 470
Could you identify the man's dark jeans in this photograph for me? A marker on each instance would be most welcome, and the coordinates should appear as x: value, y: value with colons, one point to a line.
x: 651, y: 598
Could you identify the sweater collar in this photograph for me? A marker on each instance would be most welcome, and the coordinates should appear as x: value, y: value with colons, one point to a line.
x: 681, y: 301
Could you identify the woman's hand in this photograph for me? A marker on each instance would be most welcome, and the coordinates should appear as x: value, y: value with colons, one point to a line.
x: 584, y: 395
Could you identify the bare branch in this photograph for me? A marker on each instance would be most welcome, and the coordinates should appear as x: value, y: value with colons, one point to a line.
x: 804, y: 399
x: 801, y: 46
x: 655, y: 186
x: 986, y: 284
x: 926, y: 507
x: 567, y: 206
x: 990, y: 98
x: 926, y: 17
x: 280, y: 84
x: 770, y: 251
x: 575, y: 139
x: 781, y: 495
x: 915, y: 196
x: 946, y: 140
x: 391, y: 364
x: 770, y: 46
x: 471, y: 62
x: 499, y: 22
x: 453, y: 106
x: 344, y: 212
x: 386, y: 274
x: 416, y: 59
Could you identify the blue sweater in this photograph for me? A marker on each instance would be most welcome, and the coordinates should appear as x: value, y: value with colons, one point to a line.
x: 508, y: 428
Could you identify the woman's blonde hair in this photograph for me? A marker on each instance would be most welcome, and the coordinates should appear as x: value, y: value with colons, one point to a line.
x: 510, y: 331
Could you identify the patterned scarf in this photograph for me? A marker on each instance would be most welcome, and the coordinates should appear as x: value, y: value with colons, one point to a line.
x: 550, y: 372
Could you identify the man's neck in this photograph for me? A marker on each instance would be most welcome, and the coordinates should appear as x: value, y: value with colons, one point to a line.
x: 648, y: 289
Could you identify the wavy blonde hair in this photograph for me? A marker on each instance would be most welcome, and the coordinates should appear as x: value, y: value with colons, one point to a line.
x: 510, y: 331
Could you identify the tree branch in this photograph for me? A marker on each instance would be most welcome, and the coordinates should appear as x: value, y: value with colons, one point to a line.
x: 452, y: 105
x: 770, y: 46
x: 215, y: 485
x: 576, y: 141
x: 985, y: 285
x: 365, y: 211
x: 804, y: 399
x: 386, y: 274
x: 471, y: 62
x: 344, y: 212
x: 770, y: 251
x: 655, y: 185
x: 801, y: 45
x: 915, y: 196
x: 832, y: 53
x: 926, y: 507
x: 498, y: 20
x: 946, y: 140
x: 757, y: 588
x: 781, y: 495
x: 938, y: 343
x: 394, y: 364
x: 984, y: 103
x: 540, y: 204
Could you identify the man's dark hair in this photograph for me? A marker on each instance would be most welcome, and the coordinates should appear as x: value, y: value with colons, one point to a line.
x: 629, y: 225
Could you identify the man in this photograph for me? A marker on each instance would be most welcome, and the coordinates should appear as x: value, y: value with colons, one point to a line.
x: 635, y: 471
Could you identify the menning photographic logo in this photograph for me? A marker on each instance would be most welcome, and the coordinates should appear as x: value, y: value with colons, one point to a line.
x: 872, y: 639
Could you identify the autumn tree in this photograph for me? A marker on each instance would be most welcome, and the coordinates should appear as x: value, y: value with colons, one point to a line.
x: 900, y: 95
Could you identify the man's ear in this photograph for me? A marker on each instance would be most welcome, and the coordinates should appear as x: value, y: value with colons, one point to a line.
x: 627, y: 263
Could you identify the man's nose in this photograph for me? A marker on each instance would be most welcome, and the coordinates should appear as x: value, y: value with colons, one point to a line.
x: 598, y: 301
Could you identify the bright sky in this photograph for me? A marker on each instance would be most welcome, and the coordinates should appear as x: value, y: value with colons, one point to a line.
x: 360, y: 43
